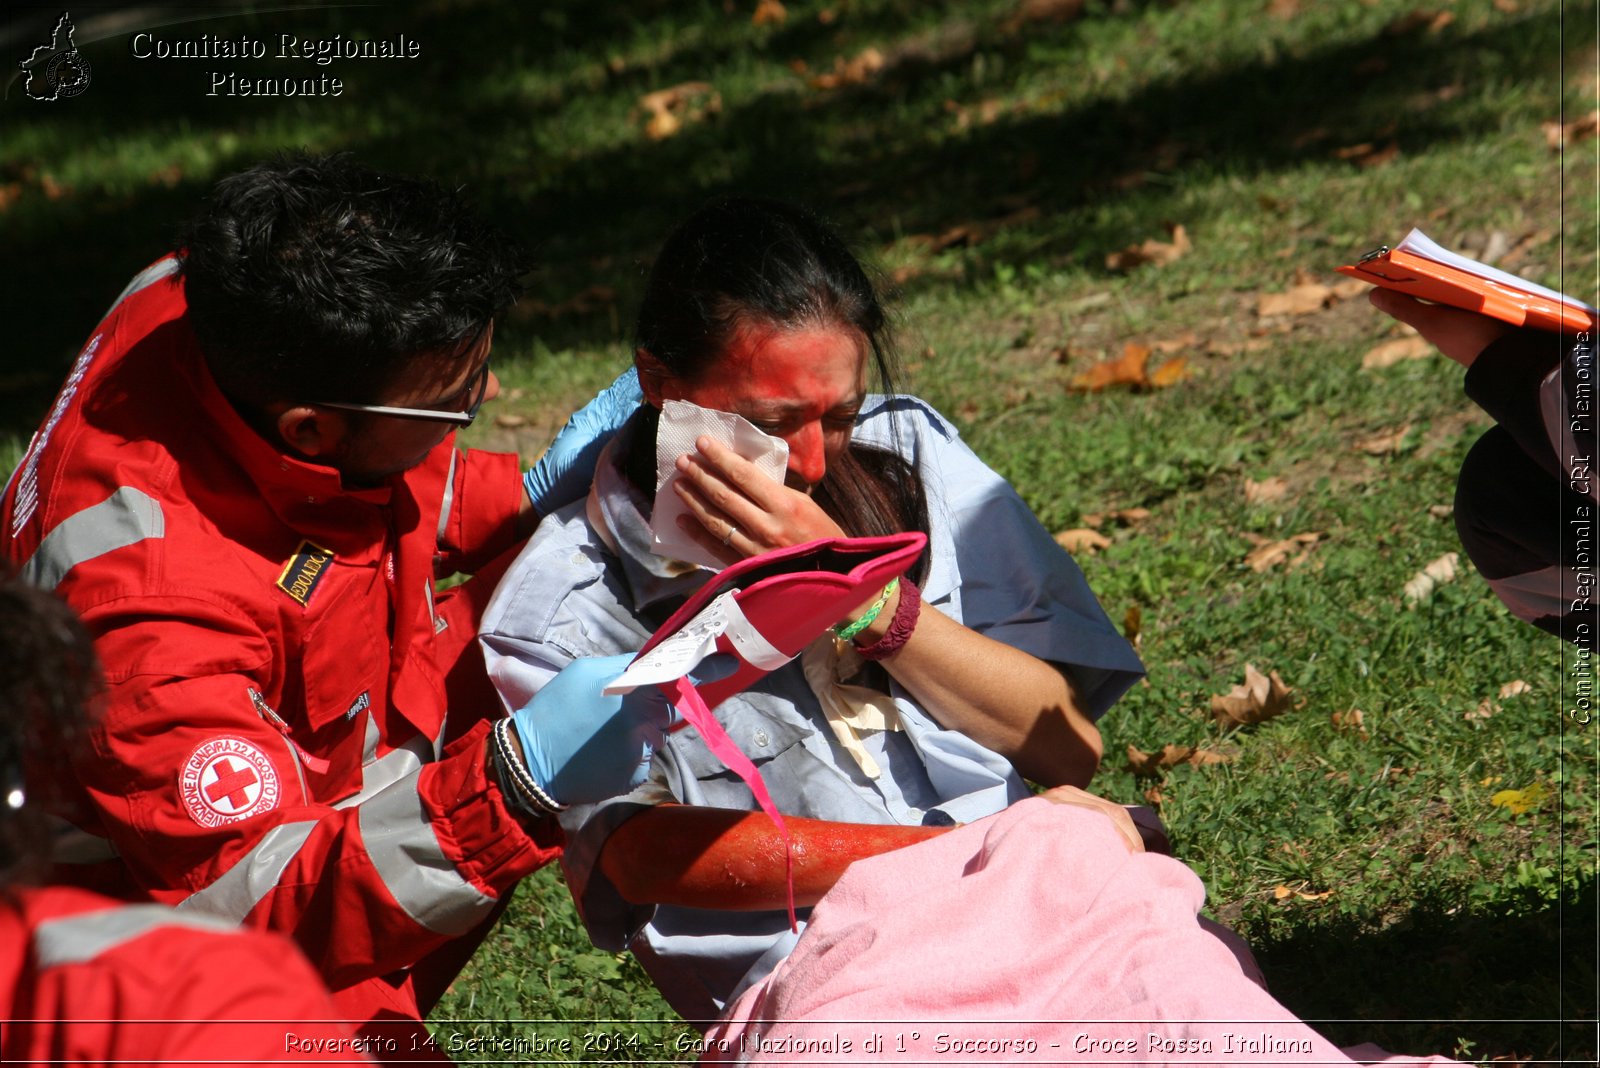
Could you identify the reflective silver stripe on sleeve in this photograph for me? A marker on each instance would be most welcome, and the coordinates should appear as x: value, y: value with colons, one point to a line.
x: 74, y: 939
x: 389, y: 768
x: 405, y: 851
x: 149, y: 276
x: 449, y: 496
x: 253, y: 876
x: 126, y: 517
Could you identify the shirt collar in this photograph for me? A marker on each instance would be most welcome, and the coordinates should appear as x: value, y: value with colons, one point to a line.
x: 625, y: 527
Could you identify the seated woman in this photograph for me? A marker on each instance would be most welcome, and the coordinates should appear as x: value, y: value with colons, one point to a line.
x: 989, y: 666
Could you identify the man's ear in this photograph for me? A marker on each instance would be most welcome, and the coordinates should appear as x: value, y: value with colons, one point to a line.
x: 655, y: 381
x: 310, y: 431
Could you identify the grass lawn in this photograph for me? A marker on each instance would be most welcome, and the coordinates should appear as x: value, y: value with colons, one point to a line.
x: 990, y: 157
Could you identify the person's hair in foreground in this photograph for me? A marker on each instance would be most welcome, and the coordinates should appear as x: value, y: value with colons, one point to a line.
x: 48, y: 677
x: 742, y: 263
x: 320, y: 274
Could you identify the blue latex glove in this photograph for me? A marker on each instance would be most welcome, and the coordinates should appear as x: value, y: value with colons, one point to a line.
x: 583, y: 746
x: 564, y: 472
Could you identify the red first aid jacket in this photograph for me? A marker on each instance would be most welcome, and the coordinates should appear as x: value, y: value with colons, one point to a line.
x: 273, y: 749
x: 88, y: 980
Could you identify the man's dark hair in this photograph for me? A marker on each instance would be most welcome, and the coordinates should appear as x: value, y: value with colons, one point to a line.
x: 48, y: 677
x: 316, y: 278
x: 743, y: 262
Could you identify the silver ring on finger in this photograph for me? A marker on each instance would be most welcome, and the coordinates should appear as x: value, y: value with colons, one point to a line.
x: 732, y: 530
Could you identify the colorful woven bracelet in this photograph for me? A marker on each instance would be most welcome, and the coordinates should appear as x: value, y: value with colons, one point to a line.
x: 850, y: 630
x: 906, y: 614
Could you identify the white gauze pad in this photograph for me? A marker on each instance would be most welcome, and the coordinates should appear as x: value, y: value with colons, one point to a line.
x: 681, y: 423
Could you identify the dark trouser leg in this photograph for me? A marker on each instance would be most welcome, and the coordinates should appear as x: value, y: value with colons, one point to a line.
x: 1527, y: 534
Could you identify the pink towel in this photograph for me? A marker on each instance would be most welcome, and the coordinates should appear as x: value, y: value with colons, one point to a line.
x: 1030, y: 936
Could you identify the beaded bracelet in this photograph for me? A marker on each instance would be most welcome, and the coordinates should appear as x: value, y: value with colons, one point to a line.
x: 906, y: 614
x: 850, y: 630
x: 531, y: 795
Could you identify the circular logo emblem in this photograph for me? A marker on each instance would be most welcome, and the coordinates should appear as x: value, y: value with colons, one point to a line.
x: 226, y: 780
x: 68, y: 74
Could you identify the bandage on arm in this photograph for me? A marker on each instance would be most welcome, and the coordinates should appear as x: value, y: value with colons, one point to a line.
x: 715, y: 858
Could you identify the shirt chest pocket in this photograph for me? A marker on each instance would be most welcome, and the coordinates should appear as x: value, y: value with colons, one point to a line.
x: 767, y: 729
x: 344, y: 652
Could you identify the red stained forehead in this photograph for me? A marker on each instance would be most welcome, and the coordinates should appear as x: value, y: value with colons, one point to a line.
x: 810, y: 369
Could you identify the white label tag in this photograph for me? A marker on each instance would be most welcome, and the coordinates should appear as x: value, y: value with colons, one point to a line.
x: 681, y: 654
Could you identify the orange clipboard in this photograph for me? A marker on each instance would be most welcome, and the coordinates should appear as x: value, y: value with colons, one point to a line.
x: 1441, y: 283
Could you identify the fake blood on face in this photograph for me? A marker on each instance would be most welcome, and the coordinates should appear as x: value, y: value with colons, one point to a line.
x: 804, y: 386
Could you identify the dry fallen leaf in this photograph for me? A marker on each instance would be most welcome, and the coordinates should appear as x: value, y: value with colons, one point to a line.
x: 1368, y: 154
x: 769, y: 13
x: 1186, y: 340
x: 973, y: 232
x: 1125, y: 370
x: 1281, y: 892
x: 1130, y: 369
x: 1520, y: 801
x: 1514, y: 688
x: 1346, y: 288
x: 1557, y: 134
x: 1441, y: 511
x: 1234, y: 348
x: 1283, y: 9
x: 1082, y: 539
x: 1301, y: 299
x: 1170, y: 373
x: 1031, y: 11
x: 1419, y: 19
x: 1524, y: 245
x: 1147, y: 765
x: 1265, y: 491
x: 1353, y: 720
x: 855, y: 71
x: 1485, y: 709
x: 1159, y: 253
x: 1389, y: 353
x: 670, y: 108
x: 1128, y: 517
x: 1259, y: 698
x: 510, y: 420
x: 1385, y: 442
x: 1132, y: 623
x: 1422, y: 584
x: 1268, y: 554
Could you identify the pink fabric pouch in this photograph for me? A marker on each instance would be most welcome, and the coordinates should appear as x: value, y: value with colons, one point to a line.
x: 763, y: 610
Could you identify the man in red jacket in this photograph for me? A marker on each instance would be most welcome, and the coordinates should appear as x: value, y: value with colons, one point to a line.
x: 247, y: 488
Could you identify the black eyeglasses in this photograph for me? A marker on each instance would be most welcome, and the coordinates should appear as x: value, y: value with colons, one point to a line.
x: 476, y: 388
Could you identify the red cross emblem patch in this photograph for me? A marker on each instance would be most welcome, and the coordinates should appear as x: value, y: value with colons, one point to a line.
x: 226, y: 780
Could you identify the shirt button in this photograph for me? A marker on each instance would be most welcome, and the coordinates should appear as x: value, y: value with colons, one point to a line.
x: 761, y: 738
x: 578, y: 559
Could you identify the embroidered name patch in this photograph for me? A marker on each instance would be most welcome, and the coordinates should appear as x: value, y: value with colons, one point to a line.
x: 359, y: 705
x: 303, y: 571
x: 226, y: 780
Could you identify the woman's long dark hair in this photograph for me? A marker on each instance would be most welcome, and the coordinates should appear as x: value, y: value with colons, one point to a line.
x: 744, y: 262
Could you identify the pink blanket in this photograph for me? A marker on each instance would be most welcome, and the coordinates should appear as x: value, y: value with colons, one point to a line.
x: 1033, y: 936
